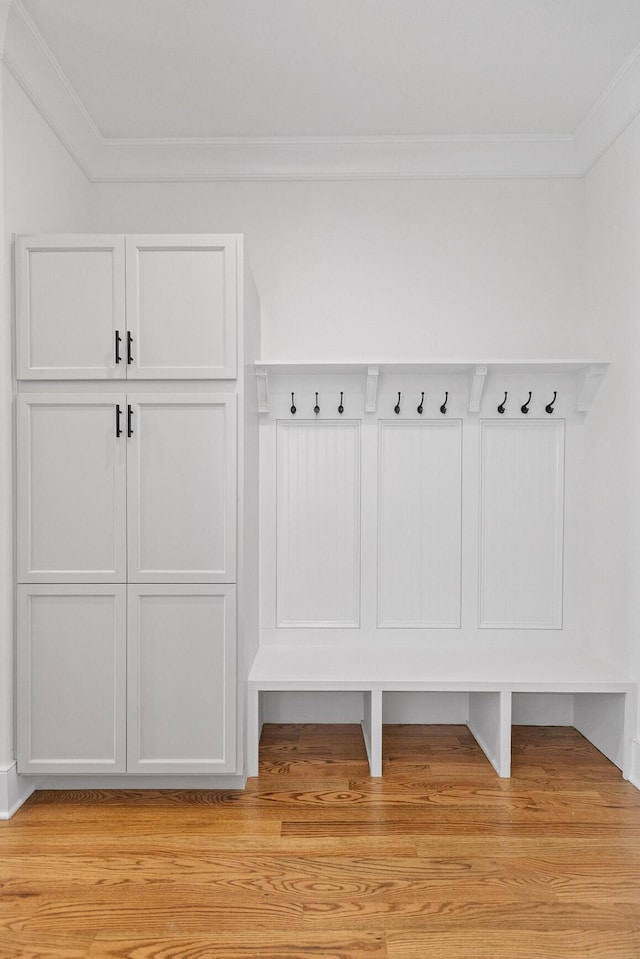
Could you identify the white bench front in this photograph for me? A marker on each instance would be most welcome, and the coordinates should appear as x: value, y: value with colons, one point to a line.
x: 605, y: 699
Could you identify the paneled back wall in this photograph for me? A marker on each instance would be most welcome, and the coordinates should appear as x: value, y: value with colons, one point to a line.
x: 429, y: 528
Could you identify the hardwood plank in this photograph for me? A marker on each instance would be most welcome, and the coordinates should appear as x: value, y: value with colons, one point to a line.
x: 573, y: 848
x: 25, y: 946
x: 363, y: 945
x: 445, y: 915
x: 496, y: 943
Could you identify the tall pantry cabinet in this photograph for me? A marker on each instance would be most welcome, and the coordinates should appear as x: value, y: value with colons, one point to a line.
x: 136, y: 541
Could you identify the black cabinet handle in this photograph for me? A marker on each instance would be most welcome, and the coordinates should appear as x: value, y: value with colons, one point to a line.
x: 118, y: 422
x: 118, y: 342
x: 129, y: 354
x: 129, y: 420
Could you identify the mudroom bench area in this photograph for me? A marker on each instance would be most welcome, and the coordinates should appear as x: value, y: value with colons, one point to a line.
x: 423, y: 553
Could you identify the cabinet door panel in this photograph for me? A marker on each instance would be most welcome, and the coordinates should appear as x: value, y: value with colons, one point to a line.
x: 181, y: 306
x: 182, y: 488
x: 71, y: 489
x: 71, y: 679
x: 181, y: 679
x: 70, y: 303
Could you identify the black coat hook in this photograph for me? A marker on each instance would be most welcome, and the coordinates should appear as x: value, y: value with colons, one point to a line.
x: 549, y: 406
x: 341, y: 407
x: 443, y: 408
x: 316, y: 408
x: 501, y: 408
x: 293, y: 406
x: 396, y: 408
x: 421, y: 407
x: 525, y: 406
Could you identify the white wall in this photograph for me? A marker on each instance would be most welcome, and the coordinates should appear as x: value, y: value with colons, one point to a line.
x: 612, y: 322
x: 390, y: 270
x: 44, y: 191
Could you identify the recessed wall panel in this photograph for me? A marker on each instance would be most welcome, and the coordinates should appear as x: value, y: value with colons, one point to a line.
x: 521, y: 524
x: 419, y: 523
x: 318, y: 523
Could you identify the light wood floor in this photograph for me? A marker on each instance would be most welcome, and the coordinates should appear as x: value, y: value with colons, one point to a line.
x: 440, y: 858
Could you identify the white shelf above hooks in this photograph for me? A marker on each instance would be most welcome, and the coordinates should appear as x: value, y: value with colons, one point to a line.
x: 590, y: 373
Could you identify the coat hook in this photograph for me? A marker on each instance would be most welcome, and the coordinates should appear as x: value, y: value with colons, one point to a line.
x: 525, y: 407
x: 341, y: 407
x: 421, y: 407
x: 316, y: 408
x: 501, y: 408
x: 549, y: 406
x: 293, y: 406
x: 396, y: 408
x: 443, y: 408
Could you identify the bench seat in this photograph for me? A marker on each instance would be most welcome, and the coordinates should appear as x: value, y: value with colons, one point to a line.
x: 604, y: 698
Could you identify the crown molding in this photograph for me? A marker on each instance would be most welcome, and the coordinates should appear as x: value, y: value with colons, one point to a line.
x: 28, y: 59
x: 612, y: 113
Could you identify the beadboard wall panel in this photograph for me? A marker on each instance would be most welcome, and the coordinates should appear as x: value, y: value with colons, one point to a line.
x: 521, y: 524
x: 419, y: 523
x: 318, y: 523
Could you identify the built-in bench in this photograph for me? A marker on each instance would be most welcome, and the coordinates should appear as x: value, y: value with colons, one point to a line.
x: 604, y: 699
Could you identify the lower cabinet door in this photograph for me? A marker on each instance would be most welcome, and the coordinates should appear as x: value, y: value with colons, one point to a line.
x: 71, y: 678
x: 181, y: 699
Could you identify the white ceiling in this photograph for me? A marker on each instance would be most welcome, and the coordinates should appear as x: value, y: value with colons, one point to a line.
x: 338, y: 68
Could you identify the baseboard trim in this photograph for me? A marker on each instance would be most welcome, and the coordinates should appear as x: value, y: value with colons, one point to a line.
x: 634, y: 778
x: 14, y: 790
x: 141, y: 782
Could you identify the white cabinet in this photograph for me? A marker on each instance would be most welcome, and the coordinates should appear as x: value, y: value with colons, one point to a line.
x: 71, y: 488
x: 181, y: 679
x: 131, y: 497
x: 181, y: 307
x: 181, y: 484
x: 71, y: 678
x: 86, y: 461
x: 70, y: 307
x: 82, y: 708
x: 170, y: 313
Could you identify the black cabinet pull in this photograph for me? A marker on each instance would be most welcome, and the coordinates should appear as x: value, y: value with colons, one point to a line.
x: 118, y: 342
x: 129, y: 420
x: 118, y: 422
x: 129, y: 354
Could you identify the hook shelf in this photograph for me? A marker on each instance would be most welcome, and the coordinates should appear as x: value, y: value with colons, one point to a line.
x: 581, y: 380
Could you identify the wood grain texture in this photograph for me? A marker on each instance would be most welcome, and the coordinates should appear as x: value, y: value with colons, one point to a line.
x: 438, y: 858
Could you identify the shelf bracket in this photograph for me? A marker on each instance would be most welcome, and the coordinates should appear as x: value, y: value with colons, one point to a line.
x: 591, y: 382
x: 476, y: 386
x: 372, y: 389
x: 262, y: 386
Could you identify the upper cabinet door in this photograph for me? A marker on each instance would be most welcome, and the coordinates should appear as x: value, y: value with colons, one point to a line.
x: 70, y: 307
x: 181, y: 307
x: 71, y: 488
x: 181, y: 487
